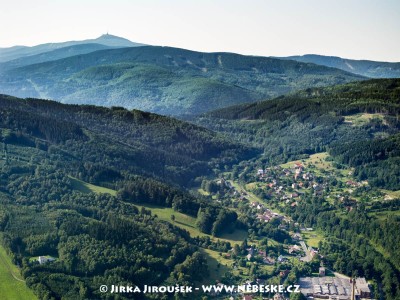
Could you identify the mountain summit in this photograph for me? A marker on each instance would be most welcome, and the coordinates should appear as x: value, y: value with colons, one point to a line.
x: 112, y: 41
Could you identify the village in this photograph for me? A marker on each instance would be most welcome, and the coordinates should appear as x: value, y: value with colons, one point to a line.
x: 261, y: 196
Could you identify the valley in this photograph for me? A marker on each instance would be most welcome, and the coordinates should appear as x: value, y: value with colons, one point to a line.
x: 242, y: 190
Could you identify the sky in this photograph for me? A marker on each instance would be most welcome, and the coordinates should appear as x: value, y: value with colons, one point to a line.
x: 357, y: 29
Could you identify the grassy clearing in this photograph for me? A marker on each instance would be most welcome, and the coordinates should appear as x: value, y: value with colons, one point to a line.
x: 317, y: 163
x: 317, y: 159
x: 312, y: 238
x: 85, y: 187
x: 391, y: 194
x: 362, y: 119
x: 251, y: 186
x: 189, y: 223
x: 217, y: 265
x: 383, y: 215
x: 181, y: 220
x: 12, y: 286
x: 203, y: 192
x: 236, y: 237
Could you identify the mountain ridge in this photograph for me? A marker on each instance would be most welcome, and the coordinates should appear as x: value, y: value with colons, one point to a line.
x: 368, y: 68
x: 166, y: 80
x: 15, y: 52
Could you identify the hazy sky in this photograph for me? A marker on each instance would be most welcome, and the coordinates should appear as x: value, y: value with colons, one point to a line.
x: 360, y: 29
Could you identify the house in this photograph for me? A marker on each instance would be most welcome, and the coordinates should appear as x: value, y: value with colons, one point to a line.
x: 313, y: 252
x: 250, y: 250
x: 322, y: 271
x: 247, y: 297
x: 262, y: 253
x: 283, y: 227
x: 298, y: 165
x: 294, y: 248
x: 294, y: 185
x: 278, y: 297
x: 43, y: 259
x: 249, y: 256
x: 352, y: 183
x: 293, y: 195
x: 296, y: 236
x: 264, y: 218
x: 281, y: 259
x: 260, y: 172
x: 268, y: 260
x: 284, y: 273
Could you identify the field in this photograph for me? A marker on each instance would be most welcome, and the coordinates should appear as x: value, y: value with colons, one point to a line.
x: 217, y: 265
x: 12, y: 286
x: 362, y: 119
x: 319, y: 164
x: 312, y: 238
x: 391, y: 194
x: 85, y: 187
x: 189, y: 223
x: 383, y: 215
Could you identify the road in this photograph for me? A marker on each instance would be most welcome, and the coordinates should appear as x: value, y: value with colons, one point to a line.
x: 308, y: 257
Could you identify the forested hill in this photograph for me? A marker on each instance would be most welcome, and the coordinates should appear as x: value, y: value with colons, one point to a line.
x: 368, y: 68
x: 372, y: 96
x: 71, y: 178
x: 51, y: 55
x: 312, y: 120
x: 124, y: 141
x: 166, y: 80
x: 377, y: 161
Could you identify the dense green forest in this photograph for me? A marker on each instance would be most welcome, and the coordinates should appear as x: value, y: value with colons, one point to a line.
x: 377, y: 161
x: 165, y: 80
x: 122, y: 140
x: 101, y: 238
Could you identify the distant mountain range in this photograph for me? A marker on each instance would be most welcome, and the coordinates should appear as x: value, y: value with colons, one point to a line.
x: 368, y: 68
x: 108, y: 40
x: 163, y: 80
x: 113, y: 71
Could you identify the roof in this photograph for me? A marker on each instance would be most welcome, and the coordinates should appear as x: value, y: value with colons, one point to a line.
x: 323, y: 286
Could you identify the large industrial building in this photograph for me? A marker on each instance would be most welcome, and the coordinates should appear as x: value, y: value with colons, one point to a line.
x: 334, y: 288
